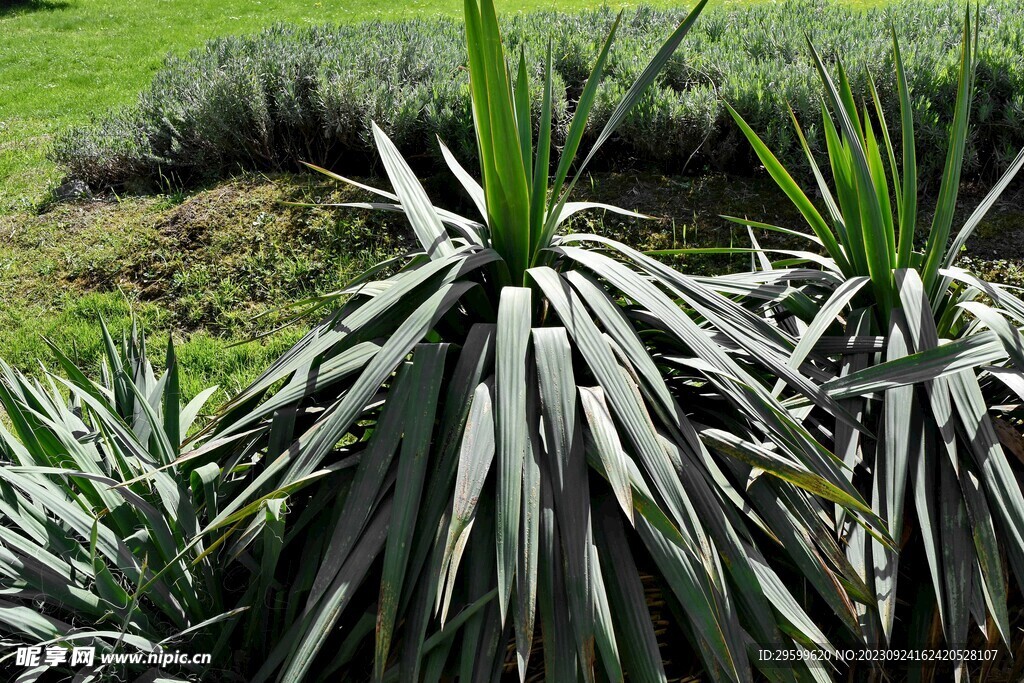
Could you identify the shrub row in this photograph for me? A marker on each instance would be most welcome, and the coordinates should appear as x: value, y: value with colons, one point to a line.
x: 266, y: 101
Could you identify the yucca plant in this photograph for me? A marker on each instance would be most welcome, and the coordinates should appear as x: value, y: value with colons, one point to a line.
x: 922, y: 352
x: 540, y: 422
x: 93, y: 507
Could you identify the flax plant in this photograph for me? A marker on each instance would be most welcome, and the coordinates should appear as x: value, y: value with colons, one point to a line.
x: 926, y: 355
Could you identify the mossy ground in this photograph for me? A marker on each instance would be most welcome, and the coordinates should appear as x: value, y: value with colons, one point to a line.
x: 209, y: 268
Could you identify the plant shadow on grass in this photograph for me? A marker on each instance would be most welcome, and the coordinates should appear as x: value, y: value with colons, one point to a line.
x: 11, y: 7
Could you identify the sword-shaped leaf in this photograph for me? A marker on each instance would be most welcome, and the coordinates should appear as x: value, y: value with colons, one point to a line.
x: 426, y: 373
x: 513, y: 336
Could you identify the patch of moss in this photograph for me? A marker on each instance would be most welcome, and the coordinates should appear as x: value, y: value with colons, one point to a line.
x: 201, y: 267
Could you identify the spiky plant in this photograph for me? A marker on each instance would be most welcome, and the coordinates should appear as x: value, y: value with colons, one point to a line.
x: 92, y: 508
x: 922, y: 352
x: 539, y: 421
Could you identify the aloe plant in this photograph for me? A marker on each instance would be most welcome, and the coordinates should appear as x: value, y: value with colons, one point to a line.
x: 537, y: 421
x: 921, y: 351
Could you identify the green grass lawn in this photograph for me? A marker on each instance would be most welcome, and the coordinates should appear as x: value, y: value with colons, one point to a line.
x: 65, y: 60
x: 202, y: 267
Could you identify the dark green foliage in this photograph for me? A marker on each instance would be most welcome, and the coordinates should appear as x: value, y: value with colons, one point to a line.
x: 936, y: 469
x: 99, y: 521
x: 290, y: 94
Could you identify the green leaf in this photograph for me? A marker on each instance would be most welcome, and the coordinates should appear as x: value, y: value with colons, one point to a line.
x: 642, y: 83
x: 987, y: 551
x: 576, y: 130
x: 424, y: 220
x: 783, y: 601
x: 316, y: 623
x: 902, y: 434
x: 956, y: 248
x: 943, y: 361
x: 880, y: 184
x: 526, y: 571
x: 949, y: 187
x: 605, y: 438
x: 367, y: 486
x: 191, y: 411
x: 924, y: 485
x: 404, y: 291
x: 823, y: 319
x: 563, y: 438
x: 172, y: 400
x: 1010, y: 336
x: 426, y: 375
x: 514, y: 313
x: 542, y: 164
x: 786, y: 183
x: 635, y: 635
x: 475, y: 458
x: 595, y: 351
x: 521, y: 100
x: 712, y: 358
x: 908, y: 202
x: 683, y: 574
x: 779, y: 466
x: 876, y: 236
x: 458, y: 620
x: 998, y: 480
x: 505, y: 178
x: 560, y: 657
x: 313, y: 446
x: 830, y: 203
x: 448, y: 217
x: 622, y: 109
x: 956, y: 552
x: 472, y: 187
x: 889, y: 149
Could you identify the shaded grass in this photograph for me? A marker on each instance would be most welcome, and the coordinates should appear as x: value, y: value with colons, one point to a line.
x: 22, y: 6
